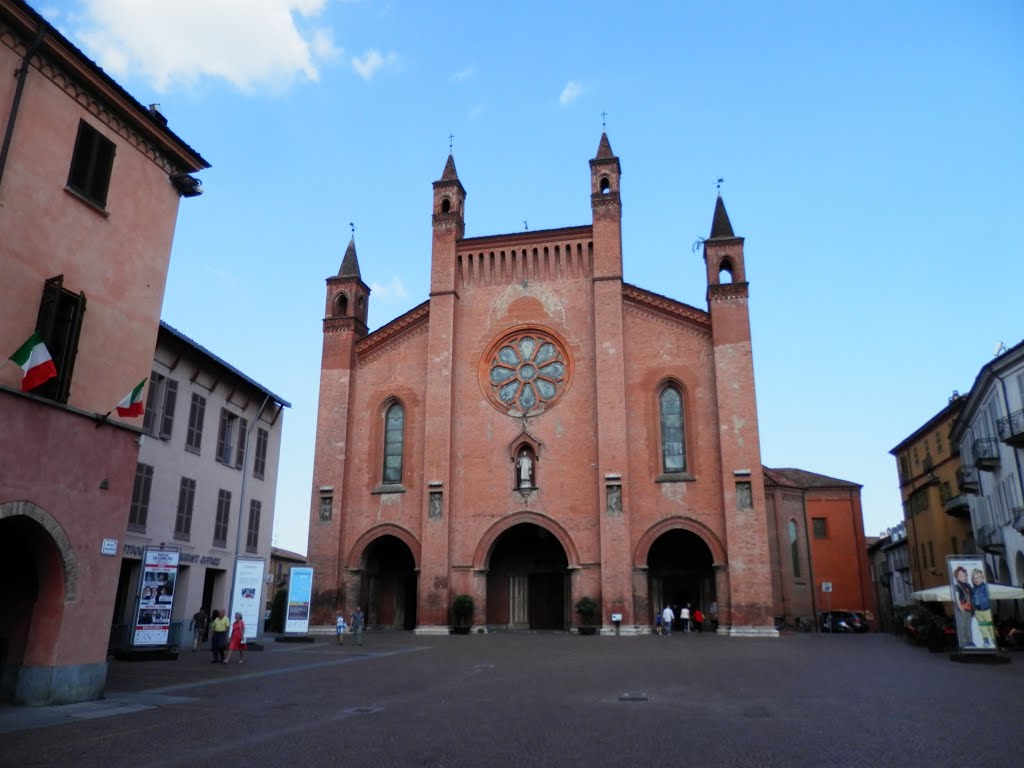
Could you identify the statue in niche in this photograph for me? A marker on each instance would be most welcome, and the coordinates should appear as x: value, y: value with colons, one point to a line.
x: 525, y: 468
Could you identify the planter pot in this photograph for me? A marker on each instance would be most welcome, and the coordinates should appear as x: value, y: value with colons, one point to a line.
x: 460, y: 630
x: 587, y: 630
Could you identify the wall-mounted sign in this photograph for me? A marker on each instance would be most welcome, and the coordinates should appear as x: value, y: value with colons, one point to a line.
x: 826, y: 586
x: 108, y: 547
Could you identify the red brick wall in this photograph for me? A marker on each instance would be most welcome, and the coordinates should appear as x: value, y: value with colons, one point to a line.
x: 841, y: 558
x: 605, y: 425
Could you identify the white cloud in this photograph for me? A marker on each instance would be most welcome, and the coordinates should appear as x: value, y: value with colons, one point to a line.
x: 372, y: 62
x: 178, y: 43
x: 464, y: 74
x: 393, y: 290
x: 572, y: 89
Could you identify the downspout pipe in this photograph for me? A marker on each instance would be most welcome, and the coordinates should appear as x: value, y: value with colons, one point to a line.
x: 21, y: 73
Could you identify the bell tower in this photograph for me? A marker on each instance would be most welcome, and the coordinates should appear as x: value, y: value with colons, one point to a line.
x: 344, y: 324
x: 606, y: 207
x: 448, y: 229
x: 612, y: 477
x: 743, y: 497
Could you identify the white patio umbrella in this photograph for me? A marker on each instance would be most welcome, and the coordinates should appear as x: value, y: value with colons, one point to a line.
x: 943, y: 594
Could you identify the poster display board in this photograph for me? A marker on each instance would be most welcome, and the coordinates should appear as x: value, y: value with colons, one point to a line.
x: 972, y: 604
x: 248, y: 595
x: 155, y: 604
x: 300, y: 591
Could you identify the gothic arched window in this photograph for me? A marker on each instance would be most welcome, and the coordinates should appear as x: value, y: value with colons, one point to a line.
x: 794, y: 549
x: 394, y: 443
x: 673, y: 440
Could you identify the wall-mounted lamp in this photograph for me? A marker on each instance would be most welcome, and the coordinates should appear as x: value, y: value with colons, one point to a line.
x: 187, y: 186
x: 104, y: 484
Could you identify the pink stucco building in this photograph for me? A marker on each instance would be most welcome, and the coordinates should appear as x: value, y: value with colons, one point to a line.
x: 90, y: 182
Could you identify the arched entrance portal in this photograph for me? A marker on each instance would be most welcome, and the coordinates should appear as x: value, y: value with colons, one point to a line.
x: 388, y: 588
x: 527, y: 580
x: 679, y: 569
x: 31, y: 599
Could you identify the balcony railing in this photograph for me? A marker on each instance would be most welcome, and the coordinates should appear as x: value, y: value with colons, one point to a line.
x: 989, y: 537
x: 957, y: 506
x: 1018, y: 518
x: 1011, y: 428
x: 986, y: 453
x: 967, y: 479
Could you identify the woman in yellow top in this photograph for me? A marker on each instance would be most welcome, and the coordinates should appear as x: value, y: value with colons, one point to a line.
x: 219, y: 635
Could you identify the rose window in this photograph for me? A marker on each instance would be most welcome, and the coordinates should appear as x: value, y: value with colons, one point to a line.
x: 526, y: 371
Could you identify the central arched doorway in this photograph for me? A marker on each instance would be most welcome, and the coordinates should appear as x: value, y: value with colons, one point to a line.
x: 679, y: 569
x: 388, y: 588
x: 527, y: 580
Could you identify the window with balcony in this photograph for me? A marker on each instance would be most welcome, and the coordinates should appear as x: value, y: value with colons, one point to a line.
x: 59, y: 324
x: 231, y: 439
x: 259, y: 466
x: 220, y: 525
x: 252, y: 537
x: 161, y: 401
x: 183, y: 518
x: 139, y: 510
x: 196, y: 416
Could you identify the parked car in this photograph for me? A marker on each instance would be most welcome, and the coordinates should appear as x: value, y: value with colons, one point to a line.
x: 843, y: 621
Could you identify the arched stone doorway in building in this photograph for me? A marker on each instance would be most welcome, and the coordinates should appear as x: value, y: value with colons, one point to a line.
x: 527, y: 580
x: 388, y: 585
x: 32, y: 593
x: 679, y: 571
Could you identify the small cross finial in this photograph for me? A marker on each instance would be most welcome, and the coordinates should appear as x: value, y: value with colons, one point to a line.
x: 525, y: 225
x: 353, y: 227
x: 718, y: 185
x: 451, y: 139
x: 603, y: 116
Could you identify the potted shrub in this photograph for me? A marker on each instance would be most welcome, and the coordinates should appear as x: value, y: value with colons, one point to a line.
x: 462, y: 611
x: 586, y: 608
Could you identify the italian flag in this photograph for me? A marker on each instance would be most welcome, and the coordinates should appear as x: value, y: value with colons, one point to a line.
x: 131, y: 405
x: 35, y: 361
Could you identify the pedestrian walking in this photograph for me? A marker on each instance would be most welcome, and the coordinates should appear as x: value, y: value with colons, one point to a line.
x: 219, y: 637
x: 698, y: 620
x: 198, y: 627
x: 358, y: 624
x: 237, y: 642
x: 684, y: 617
x: 339, y: 627
x: 667, y: 617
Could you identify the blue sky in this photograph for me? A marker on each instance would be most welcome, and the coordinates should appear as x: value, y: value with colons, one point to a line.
x: 872, y: 154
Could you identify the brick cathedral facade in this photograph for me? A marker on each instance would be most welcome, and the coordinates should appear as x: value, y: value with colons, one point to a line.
x: 538, y: 431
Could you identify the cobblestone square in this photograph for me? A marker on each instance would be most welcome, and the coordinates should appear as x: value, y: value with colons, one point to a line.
x: 540, y: 700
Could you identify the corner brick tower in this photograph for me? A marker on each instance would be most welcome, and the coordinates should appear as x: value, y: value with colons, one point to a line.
x: 609, y: 379
x: 448, y: 228
x: 344, y: 324
x: 748, y: 575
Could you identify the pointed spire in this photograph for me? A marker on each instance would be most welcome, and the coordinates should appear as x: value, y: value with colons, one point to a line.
x: 720, y: 224
x: 350, y: 264
x: 450, y: 173
x: 604, y: 149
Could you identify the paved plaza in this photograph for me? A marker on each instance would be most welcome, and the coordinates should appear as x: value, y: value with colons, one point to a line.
x: 540, y: 700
